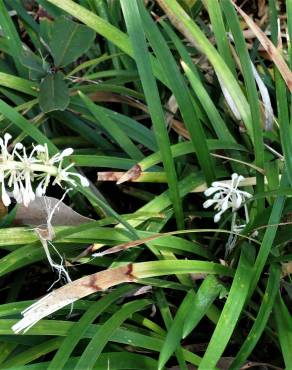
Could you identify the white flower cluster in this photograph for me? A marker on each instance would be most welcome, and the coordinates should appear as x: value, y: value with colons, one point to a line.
x: 226, y: 195
x: 18, y: 171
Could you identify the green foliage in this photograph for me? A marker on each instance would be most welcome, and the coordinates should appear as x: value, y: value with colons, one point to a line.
x: 54, y: 93
x: 165, y: 90
x: 68, y: 41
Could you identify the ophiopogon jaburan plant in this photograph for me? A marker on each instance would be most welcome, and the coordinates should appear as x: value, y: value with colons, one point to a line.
x: 166, y: 126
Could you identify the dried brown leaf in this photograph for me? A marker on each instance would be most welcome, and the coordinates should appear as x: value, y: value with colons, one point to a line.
x: 36, y: 213
x: 270, y: 48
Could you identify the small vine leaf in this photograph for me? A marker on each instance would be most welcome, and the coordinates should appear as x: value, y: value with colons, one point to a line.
x: 54, y: 93
x: 69, y: 40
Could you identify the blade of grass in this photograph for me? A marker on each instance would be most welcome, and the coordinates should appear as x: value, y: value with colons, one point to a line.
x: 230, y: 314
x: 18, y: 84
x: 190, y: 312
x: 260, y: 323
x: 77, y: 331
x: 252, y: 94
x: 121, y: 335
x: 33, y: 353
x: 269, y: 236
x: 181, y: 93
x: 112, y: 128
x: 12, y: 36
x: 284, y: 329
x: 167, y: 318
x: 196, y: 36
x: 142, y: 58
x: 220, y: 33
x: 104, y: 333
x: 206, y: 294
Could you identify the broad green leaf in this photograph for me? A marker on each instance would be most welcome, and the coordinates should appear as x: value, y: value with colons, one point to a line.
x: 46, y: 26
x: 69, y: 40
x: 54, y: 93
x: 37, y: 66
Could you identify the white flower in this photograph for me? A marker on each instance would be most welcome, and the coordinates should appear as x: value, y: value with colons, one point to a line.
x: 19, y: 171
x: 226, y: 195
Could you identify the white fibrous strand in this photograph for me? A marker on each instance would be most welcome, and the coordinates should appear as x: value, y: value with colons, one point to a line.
x: 24, y: 176
x: 40, y: 309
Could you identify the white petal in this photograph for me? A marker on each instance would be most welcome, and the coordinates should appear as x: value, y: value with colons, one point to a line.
x: 224, y: 205
x: 5, y: 199
x: 209, y: 203
x: 238, y: 201
x: 217, y: 217
x: 40, y: 148
x: 7, y: 137
x: 39, y: 191
x: 211, y: 191
x: 84, y: 181
x: 67, y: 152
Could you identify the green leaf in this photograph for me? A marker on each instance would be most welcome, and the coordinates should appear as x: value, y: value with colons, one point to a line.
x: 104, y: 333
x: 142, y: 58
x: 69, y: 40
x: 46, y: 26
x: 113, y: 129
x: 54, y: 93
x: 181, y: 93
x: 37, y: 66
x: 13, y: 38
x: 261, y: 320
x: 230, y: 313
x: 77, y: 331
x: 174, y: 333
x: 18, y: 84
x: 207, y: 293
x: 284, y: 329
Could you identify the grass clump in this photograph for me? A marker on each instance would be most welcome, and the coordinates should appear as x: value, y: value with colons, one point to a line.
x: 177, y: 254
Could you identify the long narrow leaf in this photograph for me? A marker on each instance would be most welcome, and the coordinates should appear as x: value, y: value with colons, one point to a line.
x: 135, y: 28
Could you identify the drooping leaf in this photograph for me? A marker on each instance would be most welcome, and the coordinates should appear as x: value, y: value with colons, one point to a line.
x: 38, y: 67
x: 69, y: 40
x: 54, y: 93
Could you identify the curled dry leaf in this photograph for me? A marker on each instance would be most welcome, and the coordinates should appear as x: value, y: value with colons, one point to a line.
x: 286, y: 269
x: 71, y: 292
x: 130, y: 175
x: 36, y: 213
